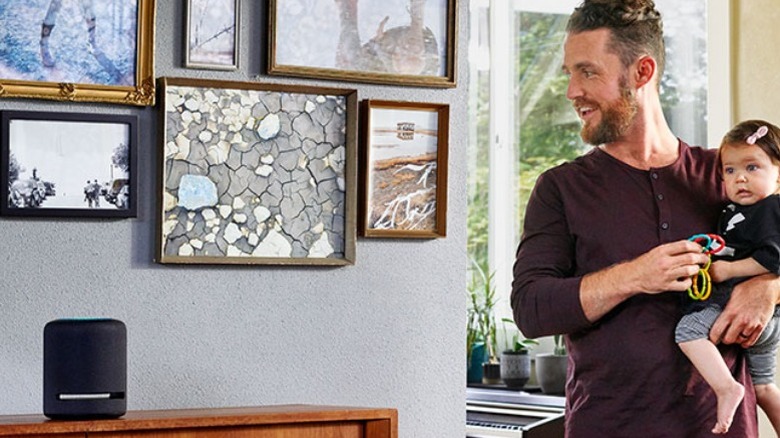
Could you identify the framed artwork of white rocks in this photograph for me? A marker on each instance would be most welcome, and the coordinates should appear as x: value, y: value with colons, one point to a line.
x: 257, y: 173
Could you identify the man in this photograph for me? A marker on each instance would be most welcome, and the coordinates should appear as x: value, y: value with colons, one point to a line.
x: 604, y: 257
x: 89, y: 194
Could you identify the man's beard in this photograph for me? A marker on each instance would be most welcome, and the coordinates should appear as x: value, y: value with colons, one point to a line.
x: 616, y: 117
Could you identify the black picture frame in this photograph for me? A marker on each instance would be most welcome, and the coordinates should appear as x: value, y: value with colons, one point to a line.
x: 47, y: 159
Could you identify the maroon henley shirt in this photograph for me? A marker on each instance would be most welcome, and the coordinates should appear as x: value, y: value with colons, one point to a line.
x: 627, y: 377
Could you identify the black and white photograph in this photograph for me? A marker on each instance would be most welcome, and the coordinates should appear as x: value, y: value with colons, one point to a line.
x: 212, y: 34
x: 68, y: 164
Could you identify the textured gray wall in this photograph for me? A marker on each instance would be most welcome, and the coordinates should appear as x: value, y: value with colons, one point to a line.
x: 385, y: 332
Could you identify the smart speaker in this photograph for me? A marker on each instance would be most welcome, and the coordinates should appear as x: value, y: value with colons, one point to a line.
x: 84, y: 368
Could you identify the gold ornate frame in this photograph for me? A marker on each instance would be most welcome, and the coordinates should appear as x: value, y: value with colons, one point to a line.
x: 142, y: 93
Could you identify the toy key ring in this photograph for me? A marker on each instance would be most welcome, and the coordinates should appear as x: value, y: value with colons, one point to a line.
x: 708, y: 241
x: 701, y: 285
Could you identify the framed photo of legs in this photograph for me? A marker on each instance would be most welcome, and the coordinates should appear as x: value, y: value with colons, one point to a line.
x: 78, y: 50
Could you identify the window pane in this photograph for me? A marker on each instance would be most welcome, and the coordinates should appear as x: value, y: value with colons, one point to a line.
x: 547, y: 126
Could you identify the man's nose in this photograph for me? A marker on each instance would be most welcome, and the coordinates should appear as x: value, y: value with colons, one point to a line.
x: 573, y: 89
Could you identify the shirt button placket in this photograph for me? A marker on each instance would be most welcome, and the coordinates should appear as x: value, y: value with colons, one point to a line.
x: 663, y: 212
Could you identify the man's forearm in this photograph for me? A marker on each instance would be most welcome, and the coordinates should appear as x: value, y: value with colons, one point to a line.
x: 667, y: 267
x: 603, y: 290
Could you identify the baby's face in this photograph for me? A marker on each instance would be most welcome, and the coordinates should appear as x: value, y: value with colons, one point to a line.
x: 748, y: 173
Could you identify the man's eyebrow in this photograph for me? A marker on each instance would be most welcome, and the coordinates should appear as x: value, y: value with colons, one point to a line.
x: 578, y: 66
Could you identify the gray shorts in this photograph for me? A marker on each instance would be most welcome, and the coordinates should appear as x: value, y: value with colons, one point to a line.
x: 761, y: 357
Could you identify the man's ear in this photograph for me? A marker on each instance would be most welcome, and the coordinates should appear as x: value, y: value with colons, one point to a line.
x: 645, y: 70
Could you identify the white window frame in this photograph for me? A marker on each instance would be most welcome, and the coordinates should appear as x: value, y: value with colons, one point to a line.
x: 502, y: 228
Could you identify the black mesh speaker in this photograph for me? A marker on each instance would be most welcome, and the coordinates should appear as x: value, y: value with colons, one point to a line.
x: 84, y: 368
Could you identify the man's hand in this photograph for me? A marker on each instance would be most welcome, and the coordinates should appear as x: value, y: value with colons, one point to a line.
x: 750, y: 307
x: 667, y: 267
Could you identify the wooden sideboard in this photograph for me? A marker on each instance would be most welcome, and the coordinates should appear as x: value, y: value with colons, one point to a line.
x: 283, y: 421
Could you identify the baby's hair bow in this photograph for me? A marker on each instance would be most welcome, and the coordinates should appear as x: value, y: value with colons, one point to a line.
x: 760, y: 132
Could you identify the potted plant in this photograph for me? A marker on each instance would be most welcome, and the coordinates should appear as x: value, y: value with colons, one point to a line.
x: 515, y: 360
x: 481, y: 328
x: 551, y: 368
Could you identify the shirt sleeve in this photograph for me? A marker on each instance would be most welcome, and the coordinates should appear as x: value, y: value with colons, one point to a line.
x: 768, y: 255
x: 545, y: 292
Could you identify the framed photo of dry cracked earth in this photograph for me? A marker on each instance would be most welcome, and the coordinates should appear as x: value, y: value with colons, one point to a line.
x: 257, y: 173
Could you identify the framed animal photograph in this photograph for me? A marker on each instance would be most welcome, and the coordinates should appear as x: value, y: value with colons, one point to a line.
x: 68, y: 164
x: 404, y: 167
x: 212, y: 34
x: 78, y: 50
x: 401, y: 42
x: 257, y: 173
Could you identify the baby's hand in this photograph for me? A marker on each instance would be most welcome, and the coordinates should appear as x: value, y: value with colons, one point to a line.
x: 719, y: 271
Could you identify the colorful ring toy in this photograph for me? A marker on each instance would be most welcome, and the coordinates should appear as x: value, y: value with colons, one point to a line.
x: 701, y: 287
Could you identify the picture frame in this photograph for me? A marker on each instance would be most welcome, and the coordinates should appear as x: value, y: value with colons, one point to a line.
x: 68, y: 164
x: 257, y: 174
x: 404, y: 168
x: 396, y: 42
x: 59, y: 50
x: 212, y: 34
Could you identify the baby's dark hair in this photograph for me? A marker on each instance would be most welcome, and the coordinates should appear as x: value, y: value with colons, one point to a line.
x: 636, y: 25
x: 739, y: 135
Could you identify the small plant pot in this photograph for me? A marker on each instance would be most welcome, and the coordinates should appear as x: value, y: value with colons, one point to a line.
x: 491, y: 373
x: 515, y: 368
x: 551, y: 372
x: 474, y: 369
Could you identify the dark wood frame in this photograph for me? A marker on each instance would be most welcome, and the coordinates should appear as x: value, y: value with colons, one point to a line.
x: 142, y: 93
x: 188, y: 63
x: 350, y: 172
x: 447, y: 80
x: 5, y: 148
x: 442, y: 149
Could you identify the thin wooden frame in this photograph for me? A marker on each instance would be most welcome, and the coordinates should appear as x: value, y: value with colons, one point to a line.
x: 70, y: 45
x: 68, y: 164
x: 257, y: 173
x: 375, y: 42
x: 404, y: 169
x: 212, y: 35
